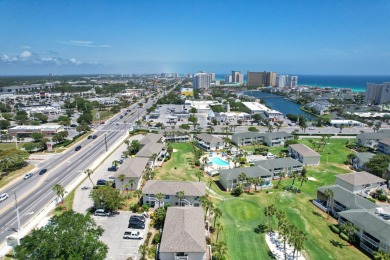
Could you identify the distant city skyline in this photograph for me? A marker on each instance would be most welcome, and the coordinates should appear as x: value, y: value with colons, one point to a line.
x: 288, y: 37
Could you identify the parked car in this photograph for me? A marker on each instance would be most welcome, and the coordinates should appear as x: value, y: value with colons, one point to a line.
x: 73, y: 125
x: 137, y: 218
x: 89, y: 137
x: 101, y: 182
x: 3, y: 197
x: 102, y: 213
x: 270, y: 156
x: 120, y: 161
x: 43, y: 171
x: 133, y: 235
x: 112, y: 169
x: 28, y: 175
x: 94, y: 136
x: 311, y: 128
x: 136, y: 224
x: 78, y: 148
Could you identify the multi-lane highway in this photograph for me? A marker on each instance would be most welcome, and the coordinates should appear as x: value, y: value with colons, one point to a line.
x: 34, y: 193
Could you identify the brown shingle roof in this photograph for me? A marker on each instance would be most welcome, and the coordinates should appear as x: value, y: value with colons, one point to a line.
x: 172, y: 187
x: 150, y: 138
x: 360, y: 178
x: 304, y: 150
x: 132, y: 167
x: 183, y: 230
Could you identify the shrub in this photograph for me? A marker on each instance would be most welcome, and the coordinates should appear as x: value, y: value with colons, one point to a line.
x: 382, y: 197
x: 156, y: 239
x: 148, y: 237
x: 197, y: 163
x: 134, y: 207
x: 237, y: 191
x: 335, y: 229
x: 372, y: 200
x: 344, y: 236
x: 146, y: 207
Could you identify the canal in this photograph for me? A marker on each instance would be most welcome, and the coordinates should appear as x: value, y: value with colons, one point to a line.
x: 279, y: 103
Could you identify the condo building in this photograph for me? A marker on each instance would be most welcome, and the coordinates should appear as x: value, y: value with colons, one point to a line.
x: 377, y: 94
x: 201, y: 80
x: 261, y: 78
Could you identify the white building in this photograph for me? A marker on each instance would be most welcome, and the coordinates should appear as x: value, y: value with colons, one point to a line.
x: 201, y: 80
x: 287, y: 81
x: 377, y: 94
x: 257, y: 108
x: 237, y: 77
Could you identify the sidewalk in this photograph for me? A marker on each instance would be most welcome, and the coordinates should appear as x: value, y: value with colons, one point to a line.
x: 82, y: 201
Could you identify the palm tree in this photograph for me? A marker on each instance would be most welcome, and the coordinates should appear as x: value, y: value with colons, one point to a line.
x: 209, y: 183
x: 219, y: 228
x: 89, y: 172
x: 127, y: 193
x: 294, y: 175
x: 60, y: 191
x: 199, y: 175
x: 280, y: 215
x: 349, y: 229
x: 160, y: 197
x: 180, y: 195
x: 329, y: 194
x: 121, y: 177
x: 138, y: 193
x: 115, y: 163
x: 270, y: 128
x: 285, y: 231
x: 131, y: 182
x: 261, y: 183
x: 242, y: 177
x: 205, y: 160
x: 380, y: 255
x: 220, y: 250
x: 229, y: 160
x: 217, y: 214
x: 303, y: 178
x: 282, y: 174
x: 127, y: 142
x: 270, y: 212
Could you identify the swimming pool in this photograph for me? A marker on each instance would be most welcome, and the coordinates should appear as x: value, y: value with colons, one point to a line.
x: 218, y: 161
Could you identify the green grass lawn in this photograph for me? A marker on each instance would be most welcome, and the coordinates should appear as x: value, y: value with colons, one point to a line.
x: 242, y: 215
x: 104, y: 114
x: 8, y: 146
x: 180, y: 166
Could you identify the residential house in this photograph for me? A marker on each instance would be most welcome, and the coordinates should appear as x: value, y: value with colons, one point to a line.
x: 304, y: 154
x: 358, y: 181
x: 177, y: 137
x: 373, y: 228
x: 154, y: 151
x: 184, y: 235
x: 361, y: 159
x: 371, y: 139
x: 277, y: 138
x: 133, y: 169
x: 209, y: 142
x: 247, y: 138
x: 229, y: 178
x: 287, y: 165
x: 384, y: 146
x: 192, y: 191
x: 151, y: 138
x: 371, y: 220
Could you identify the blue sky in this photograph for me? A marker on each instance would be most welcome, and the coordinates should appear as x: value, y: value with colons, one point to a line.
x: 292, y: 36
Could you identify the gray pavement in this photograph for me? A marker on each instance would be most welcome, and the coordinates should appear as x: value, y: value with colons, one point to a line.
x: 82, y: 201
x: 114, y: 228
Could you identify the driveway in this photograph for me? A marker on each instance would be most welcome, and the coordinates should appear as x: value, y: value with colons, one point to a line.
x: 114, y: 228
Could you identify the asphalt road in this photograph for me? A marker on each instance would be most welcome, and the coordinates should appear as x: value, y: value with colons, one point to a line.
x: 34, y: 193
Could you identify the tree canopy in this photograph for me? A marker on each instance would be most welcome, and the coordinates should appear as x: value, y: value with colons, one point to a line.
x: 378, y: 164
x: 67, y: 236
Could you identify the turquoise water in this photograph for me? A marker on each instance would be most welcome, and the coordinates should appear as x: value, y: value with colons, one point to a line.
x: 218, y: 161
x: 356, y: 83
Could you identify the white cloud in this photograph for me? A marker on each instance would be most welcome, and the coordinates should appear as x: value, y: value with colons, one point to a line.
x: 6, y: 58
x: 86, y: 44
x: 25, y: 55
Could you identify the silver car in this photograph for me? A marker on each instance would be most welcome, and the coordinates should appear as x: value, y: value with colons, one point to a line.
x: 28, y: 175
x: 3, y: 197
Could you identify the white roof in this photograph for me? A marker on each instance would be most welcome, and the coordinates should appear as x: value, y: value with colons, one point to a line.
x: 36, y: 127
x: 256, y: 106
x: 337, y: 121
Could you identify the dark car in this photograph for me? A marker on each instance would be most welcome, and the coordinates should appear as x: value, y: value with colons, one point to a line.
x: 89, y: 136
x: 94, y: 136
x: 112, y: 169
x: 101, y: 182
x: 43, y: 171
x: 136, y: 225
x: 78, y: 148
x: 73, y: 125
x: 137, y: 218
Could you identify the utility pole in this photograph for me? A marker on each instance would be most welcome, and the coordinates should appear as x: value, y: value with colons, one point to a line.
x: 17, y: 216
x: 105, y: 140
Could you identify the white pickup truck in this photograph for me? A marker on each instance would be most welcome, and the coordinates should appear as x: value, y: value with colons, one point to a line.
x: 133, y: 235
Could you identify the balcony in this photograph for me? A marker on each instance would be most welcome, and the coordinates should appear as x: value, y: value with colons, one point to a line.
x: 320, y: 205
x: 370, y: 240
x: 366, y: 248
x: 181, y: 257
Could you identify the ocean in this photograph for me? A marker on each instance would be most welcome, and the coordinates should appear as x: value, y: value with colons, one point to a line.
x: 356, y: 83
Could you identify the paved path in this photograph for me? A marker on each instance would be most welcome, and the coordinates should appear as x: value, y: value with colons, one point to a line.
x: 277, y: 248
x: 82, y: 201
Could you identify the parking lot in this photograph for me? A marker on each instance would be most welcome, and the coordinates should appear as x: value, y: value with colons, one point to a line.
x: 114, y: 228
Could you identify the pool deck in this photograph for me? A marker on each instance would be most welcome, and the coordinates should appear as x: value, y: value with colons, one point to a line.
x: 212, y: 167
